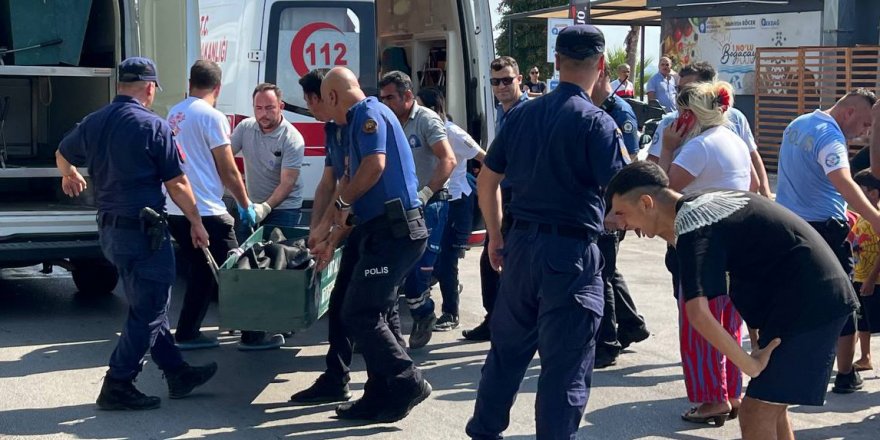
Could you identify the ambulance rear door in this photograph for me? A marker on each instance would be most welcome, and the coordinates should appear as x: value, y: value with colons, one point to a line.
x: 300, y: 36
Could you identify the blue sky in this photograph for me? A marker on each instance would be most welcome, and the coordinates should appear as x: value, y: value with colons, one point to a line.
x: 614, y: 35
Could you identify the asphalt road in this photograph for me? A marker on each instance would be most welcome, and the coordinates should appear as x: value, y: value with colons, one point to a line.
x: 54, y: 346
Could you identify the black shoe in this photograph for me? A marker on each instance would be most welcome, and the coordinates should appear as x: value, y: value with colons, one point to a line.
x: 121, y: 395
x: 633, y: 336
x: 186, y: 379
x: 478, y: 333
x: 446, y: 323
x: 847, y: 383
x: 604, y: 359
x: 402, y: 403
x: 324, y: 390
x: 421, y: 332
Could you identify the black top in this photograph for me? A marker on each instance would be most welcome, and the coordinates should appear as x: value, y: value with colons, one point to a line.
x: 537, y: 87
x: 130, y: 152
x: 784, y: 278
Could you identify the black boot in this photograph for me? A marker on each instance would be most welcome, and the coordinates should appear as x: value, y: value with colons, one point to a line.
x: 184, y: 380
x: 478, y: 333
x: 121, y: 395
x: 324, y: 390
x: 402, y: 401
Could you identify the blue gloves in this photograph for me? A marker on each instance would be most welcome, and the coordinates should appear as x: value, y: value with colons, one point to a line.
x: 248, y: 216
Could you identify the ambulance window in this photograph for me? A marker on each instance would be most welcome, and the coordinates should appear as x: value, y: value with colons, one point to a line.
x: 307, y: 38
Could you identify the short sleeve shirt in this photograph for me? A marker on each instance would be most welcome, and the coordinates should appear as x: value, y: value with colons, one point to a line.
x: 374, y: 129
x: 537, y: 87
x: 552, y: 148
x: 336, y: 142
x: 465, y: 148
x: 423, y: 129
x: 265, y: 155
x: 198, y: 129
x: 718, y: 159
x: 626, y: 121
x: 129, y: 151
x: 813, y: 145
x: 784, y: 279
x: 664, y: 89
x: 738, y: 123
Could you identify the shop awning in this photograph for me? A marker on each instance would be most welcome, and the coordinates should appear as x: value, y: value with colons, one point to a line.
x: 603, y: 12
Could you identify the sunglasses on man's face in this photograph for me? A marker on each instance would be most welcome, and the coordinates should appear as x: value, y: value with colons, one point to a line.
x: 498, y: 81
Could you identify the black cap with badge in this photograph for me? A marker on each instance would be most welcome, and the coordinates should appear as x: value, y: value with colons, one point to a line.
x: 135, y: 69
x: 580, y: 41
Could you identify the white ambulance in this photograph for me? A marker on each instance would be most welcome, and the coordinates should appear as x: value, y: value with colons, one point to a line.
x: 439, y: 43
x: 57, y: 64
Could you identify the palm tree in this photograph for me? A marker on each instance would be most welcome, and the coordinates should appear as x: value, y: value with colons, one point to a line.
x: 616, y: 56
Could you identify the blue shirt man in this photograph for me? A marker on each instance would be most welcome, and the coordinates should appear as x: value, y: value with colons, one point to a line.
x: 626, y: 121
x: 373, y: 129
x: 388, y: 237
x: 131, y: 154
x: 813, y: 146
x: 663, y: 86
x: 336, y: 142
x: 501, y: 115
x: 557, y: 151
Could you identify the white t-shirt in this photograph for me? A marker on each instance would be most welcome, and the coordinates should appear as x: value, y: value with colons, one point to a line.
x: 465, y: 148
x: 628, y: 90
x: 199, y: 128
x: 718, y: 159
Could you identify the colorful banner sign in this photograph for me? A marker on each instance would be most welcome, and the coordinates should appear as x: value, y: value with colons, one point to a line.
x: 730, y: 43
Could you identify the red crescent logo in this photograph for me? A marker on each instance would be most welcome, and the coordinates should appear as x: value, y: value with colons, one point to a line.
x: 298, y: 45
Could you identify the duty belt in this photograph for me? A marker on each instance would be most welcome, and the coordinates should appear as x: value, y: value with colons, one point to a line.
x: 118, y: 221
x: 560, y: 230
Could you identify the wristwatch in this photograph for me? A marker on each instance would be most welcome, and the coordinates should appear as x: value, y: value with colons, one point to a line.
x: 341, y: 205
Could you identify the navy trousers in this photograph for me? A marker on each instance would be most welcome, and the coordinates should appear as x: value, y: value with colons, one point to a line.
x: 146, y: 277
x: 550, y: 302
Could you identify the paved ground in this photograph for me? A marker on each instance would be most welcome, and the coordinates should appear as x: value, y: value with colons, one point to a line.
x: 54, y: 346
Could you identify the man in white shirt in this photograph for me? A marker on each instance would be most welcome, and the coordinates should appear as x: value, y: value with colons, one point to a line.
x: 202, y: 136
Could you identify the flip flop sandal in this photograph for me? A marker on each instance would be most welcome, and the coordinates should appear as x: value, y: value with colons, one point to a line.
x: 693, y: 416
x: 862, y: 367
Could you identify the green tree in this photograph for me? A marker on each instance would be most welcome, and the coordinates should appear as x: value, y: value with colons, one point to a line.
x: 616, y: 56
x: 525, y: 39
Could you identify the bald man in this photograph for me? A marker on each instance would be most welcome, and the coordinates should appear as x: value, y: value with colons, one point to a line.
x: 377, y: 208
x: 662, y: 86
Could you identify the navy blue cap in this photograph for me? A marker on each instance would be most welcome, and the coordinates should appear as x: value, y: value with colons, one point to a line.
x: 137, y: 69
x: 580, y: 41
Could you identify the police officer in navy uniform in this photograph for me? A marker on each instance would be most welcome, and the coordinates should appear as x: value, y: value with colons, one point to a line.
x: 380, y: 197
x: 621, y: 323
x: 131, y: 153
x: 557, y: 152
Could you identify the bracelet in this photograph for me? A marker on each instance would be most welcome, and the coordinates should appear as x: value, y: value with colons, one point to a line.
x: 341, y: 205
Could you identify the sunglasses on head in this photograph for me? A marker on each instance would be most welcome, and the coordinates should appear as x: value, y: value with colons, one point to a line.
x: 506, y: 81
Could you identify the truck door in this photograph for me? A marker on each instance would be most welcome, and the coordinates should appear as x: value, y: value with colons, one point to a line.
x: 485, y: 53
x: 306, y: 35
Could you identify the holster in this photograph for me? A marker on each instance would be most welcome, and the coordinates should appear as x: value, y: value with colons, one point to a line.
x: 403, y: 222
x: 155, y: 226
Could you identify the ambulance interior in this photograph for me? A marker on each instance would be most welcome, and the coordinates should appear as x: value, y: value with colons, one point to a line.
x: 423, y: 39
x: 46, y: 90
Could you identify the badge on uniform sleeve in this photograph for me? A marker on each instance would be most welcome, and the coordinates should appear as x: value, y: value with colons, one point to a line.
x: 628, y: 127
x: 370, y: 126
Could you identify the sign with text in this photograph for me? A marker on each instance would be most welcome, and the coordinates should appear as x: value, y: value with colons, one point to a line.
x: 579, y: 11
x: 554, y: 25
x: 730, y: 43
